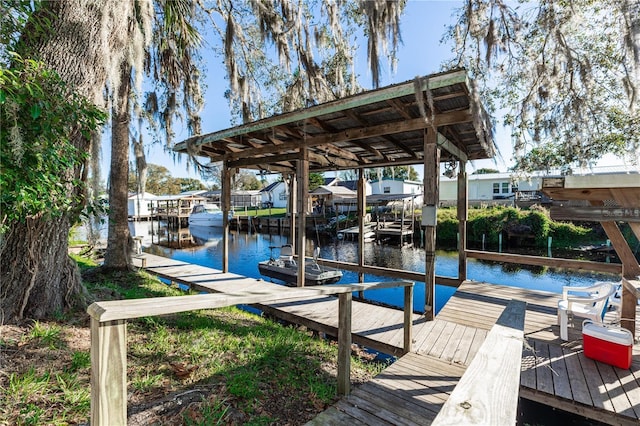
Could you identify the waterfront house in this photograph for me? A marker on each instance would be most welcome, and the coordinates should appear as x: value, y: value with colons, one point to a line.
x: 275, y: 195
x: 139, y: 206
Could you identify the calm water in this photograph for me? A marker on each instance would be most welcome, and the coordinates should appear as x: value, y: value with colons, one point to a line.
x: 246, y: 250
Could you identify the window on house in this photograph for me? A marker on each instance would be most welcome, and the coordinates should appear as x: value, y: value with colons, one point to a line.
x: 505, y: 187
x: 496, y: 188
x: 386, y: 190
x: 283, y: 196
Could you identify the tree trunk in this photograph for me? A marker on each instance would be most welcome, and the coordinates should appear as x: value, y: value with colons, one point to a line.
x: 38, y: 279
x: 118, y: 255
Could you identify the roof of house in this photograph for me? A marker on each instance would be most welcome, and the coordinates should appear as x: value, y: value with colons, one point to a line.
x: 334, y: 190
x: 271, y: 186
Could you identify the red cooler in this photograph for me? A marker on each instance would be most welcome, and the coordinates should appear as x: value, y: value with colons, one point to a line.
x: 609, y: 344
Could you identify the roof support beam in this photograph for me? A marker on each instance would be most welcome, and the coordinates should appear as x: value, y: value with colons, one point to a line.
x: 451, y: 148
x: 351, y: 135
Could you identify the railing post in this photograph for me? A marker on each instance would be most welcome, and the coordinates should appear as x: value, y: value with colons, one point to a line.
x: 108, y: 372
x: 344, y: 343
x: 408, y: 323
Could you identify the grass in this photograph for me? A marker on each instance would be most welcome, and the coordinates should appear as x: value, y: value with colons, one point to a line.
x: 273, y: 212
x: 248, y: 369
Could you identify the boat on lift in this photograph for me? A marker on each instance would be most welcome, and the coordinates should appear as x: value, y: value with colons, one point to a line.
x: 284, y: 268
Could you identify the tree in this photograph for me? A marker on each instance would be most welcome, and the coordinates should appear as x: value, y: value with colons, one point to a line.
x: 86, y: 42
x: 170, y: 61
x: 567, y: 72
x: 246, y: 181
x: 74, y: 40
x: 485, y: 171
x: 397, y: 172
x: 315, y: 180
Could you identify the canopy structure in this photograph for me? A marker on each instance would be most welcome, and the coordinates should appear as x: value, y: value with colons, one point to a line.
x: 432, y: 119
x: 378, y: 128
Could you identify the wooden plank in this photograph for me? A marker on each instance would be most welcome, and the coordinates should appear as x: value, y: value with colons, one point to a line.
x: 108, y: 373
x: 544, y: 378
x: 631, y: 386
x: 488, y: 391
x: 334, y: 417
x: 528, y: 367
x: 594, y: 383
x: 580, y: 265
x: 561, y: 384
x: 616, y: 394
x: 579, y: 388
x: 344, y: 343
x: 595, y: 213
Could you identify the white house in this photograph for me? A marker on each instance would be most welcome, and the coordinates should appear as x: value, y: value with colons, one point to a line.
x: 486, y: 187
x: 139, y: 206
x: 395, y: 186
x: 494, y: 187
x: 275, y: 195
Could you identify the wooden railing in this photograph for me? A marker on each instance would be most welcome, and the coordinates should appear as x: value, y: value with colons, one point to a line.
x: 581, y: 265
x: 487, y: 393
x: 109, y: 331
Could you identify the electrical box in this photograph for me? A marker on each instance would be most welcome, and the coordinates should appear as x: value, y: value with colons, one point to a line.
x: 429, y: 215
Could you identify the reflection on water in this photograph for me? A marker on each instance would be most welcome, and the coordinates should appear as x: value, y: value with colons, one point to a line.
x: 201, y: 245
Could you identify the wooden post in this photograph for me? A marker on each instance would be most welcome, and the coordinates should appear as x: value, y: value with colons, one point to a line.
x: 226, y: 207
x: 630, y: 270
x: 302, y: 173
x: 463, y: 205
x: 108, y: 372
x: 408, y: 323
x: 292, y: 209
x: 344, y: 343
x: 431, y: 182
x: 362, y: 211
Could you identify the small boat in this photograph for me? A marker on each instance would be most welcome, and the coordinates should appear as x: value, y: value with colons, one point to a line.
x: 285, y: 268
x: 207, y: 215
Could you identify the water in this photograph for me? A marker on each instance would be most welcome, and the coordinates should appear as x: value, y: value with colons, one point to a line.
x: 246, y: 250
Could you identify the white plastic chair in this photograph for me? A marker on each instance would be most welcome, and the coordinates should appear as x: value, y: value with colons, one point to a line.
x: 592, y: 303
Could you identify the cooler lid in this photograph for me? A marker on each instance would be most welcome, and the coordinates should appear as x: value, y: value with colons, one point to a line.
x: 613, y: 334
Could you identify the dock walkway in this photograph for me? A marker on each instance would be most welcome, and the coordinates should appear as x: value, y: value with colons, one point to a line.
x: 412, y: 389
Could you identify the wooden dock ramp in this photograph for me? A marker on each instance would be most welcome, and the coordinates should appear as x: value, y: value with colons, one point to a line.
x: 553, y: 372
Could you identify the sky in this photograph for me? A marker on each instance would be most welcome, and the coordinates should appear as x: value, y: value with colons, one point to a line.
x: 421, y: 52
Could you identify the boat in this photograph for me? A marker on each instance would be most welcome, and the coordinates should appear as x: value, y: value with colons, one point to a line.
x: 285, y: 268
x: 207, y: 215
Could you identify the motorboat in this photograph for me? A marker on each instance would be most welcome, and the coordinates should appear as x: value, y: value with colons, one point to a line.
x: 207, y: 215
x: 285, y: 268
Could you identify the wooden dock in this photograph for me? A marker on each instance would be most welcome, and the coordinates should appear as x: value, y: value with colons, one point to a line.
x: 412, y: 389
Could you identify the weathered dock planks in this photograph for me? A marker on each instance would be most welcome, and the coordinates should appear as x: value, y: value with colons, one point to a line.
x: 553, y: 372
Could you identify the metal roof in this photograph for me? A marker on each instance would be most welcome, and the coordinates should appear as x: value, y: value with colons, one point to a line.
x: 383, y: 127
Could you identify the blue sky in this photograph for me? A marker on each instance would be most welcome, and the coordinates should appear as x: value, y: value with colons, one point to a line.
x: 422, y: 27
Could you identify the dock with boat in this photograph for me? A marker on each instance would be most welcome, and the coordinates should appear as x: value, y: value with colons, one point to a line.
x: 552, y: 372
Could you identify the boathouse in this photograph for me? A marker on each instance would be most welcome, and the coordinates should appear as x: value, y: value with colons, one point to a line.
x: 431, y: 120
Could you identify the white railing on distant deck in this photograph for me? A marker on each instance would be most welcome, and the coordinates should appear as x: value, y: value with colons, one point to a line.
x: 109, y: 344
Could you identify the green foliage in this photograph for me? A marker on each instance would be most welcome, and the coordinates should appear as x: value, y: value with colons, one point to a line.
x: 40, y: 116
x: 447, y: 229
x: 493, y: 221
x: 397, y: 172
x: 315, y: 180
x: 485, y: 171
